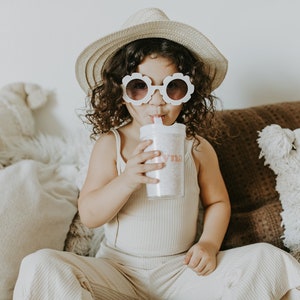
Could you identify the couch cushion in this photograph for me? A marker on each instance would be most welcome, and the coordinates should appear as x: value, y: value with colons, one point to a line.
x: 251, y: 185
x: 38, y: 202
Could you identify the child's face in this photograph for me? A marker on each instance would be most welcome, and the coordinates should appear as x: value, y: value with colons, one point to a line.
x: 156, y: 68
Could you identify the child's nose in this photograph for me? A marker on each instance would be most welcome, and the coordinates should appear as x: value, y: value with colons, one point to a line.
x: 156, y: 98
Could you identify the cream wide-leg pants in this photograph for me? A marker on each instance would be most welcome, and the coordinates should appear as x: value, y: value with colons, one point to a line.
x: 258, y: 271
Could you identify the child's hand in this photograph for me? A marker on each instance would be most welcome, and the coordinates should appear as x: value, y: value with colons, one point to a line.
x: 201, y: 258
x: 136, y: 166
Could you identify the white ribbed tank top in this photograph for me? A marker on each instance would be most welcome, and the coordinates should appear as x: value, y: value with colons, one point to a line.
x: 157, y: 227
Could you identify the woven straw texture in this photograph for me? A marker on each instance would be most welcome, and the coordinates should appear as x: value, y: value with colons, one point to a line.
x: 148, y: 23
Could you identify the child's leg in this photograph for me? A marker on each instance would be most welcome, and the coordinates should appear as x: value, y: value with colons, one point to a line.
x: 292, y: 295
x: 49, y: 274
x: 259, y: 271
x: 266, y: 272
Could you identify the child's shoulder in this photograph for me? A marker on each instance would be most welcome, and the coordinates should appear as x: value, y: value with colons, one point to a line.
x: 203, y: 148
x: 106, y: 141
x: 200, y: 143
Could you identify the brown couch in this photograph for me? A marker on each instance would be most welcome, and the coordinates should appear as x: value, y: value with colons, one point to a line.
x: 251, y: 185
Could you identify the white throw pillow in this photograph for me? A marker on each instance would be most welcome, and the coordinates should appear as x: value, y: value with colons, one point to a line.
x: 280, y: 148
x: 38, y: 203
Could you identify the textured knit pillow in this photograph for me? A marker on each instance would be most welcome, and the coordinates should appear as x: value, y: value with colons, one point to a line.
x: 280, y: 148
x: 38, y: 203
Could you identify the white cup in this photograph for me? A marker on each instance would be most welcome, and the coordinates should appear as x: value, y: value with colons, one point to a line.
x: 169, y: 140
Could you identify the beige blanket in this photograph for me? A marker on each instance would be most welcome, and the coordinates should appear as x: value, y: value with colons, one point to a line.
x: 38, y: 202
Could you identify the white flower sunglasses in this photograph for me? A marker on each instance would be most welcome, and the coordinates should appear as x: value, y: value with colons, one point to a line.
x: 138, y: 89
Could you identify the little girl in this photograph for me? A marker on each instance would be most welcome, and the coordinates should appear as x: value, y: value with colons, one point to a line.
x: 150, y: 250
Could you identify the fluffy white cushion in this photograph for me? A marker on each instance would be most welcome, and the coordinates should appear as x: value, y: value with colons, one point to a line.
x: 280, y: 148
x: 17, y: 102
x: 38, y: 203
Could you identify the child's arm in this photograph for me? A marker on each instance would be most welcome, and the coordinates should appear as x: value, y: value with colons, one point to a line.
x: 202, y: 256
x: 105, y: 192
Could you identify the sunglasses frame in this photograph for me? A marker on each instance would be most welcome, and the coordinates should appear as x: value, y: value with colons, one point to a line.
x: 162, y: 88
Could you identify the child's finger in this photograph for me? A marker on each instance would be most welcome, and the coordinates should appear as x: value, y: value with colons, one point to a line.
x: 195, y: 260
x: 142, y: 146
x: 204, y: 270
x: 187, y: 258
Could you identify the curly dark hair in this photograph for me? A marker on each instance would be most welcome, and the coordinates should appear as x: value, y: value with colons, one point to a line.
x: 106, y: 106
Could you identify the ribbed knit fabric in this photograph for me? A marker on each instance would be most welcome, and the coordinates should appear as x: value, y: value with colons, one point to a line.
x: 254, y: 272
x: 157, y: 227
x: 50, y: 274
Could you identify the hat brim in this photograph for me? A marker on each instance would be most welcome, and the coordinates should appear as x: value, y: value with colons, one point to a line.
x: 92, y: 58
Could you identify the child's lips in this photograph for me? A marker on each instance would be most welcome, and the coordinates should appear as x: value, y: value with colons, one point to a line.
x: 156, y: 116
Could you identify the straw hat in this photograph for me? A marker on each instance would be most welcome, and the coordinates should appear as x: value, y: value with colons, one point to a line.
x: 147, y: 23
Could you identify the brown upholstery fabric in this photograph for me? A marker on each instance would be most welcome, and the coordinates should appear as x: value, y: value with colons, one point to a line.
x: 251, y: 185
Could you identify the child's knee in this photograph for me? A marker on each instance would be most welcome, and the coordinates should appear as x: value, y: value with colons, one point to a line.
x: 40, y: 260
x: 270, y: 250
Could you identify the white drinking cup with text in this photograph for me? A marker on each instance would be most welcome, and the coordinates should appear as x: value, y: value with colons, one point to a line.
x: 170, y: 141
